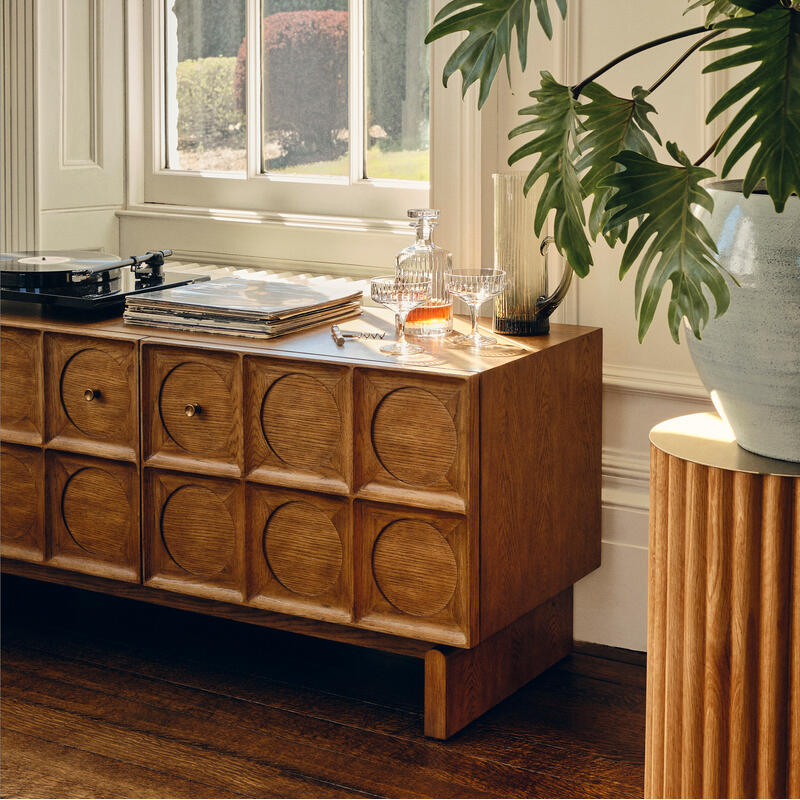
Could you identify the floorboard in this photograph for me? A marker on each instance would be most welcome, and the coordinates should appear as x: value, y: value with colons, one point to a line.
x: 105, y: 697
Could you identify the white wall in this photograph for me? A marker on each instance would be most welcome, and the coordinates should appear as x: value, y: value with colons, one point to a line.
x: 643, y: 383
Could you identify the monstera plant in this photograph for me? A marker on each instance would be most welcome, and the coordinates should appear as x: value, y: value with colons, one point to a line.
x: 596, y: 152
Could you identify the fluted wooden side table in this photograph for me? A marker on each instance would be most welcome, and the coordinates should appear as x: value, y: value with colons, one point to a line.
x: 723, y: 677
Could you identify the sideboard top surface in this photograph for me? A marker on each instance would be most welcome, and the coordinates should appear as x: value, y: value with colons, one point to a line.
x: 315, y: 344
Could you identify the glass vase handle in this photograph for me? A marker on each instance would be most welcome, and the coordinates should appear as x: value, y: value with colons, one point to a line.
x: 545, y: 305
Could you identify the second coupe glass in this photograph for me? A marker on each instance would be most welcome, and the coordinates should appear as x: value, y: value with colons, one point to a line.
x: 475, y: 287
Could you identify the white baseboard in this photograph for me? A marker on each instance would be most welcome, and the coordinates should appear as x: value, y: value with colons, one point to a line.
x: 611, y: 602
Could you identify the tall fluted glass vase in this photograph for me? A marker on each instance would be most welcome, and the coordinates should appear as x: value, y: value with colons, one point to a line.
x: 525, y: 307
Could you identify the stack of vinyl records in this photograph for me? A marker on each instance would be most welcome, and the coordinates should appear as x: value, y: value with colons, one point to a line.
x: 242, y: 307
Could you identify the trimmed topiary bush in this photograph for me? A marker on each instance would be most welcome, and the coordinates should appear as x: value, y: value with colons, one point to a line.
x: 208, y: 115
x: 305, y: 55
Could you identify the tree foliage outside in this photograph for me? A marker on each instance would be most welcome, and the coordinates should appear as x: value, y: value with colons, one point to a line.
x: 208, y: 28
x: 306, y: 72
x: 208, y: 116
x: 589, y: 144
x: 306, y: 78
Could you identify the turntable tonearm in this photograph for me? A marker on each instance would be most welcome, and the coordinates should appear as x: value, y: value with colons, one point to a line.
x: 85, y: 280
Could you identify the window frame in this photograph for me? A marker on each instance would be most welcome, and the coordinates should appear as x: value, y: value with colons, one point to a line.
x: 210, y: 219
x: 329, y: 195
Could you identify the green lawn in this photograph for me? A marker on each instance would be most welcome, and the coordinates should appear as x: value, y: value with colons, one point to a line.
x: 409, y: 165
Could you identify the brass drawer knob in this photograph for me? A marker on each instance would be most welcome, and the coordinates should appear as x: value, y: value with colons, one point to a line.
x: 91, y: 394
x: 191, y: 409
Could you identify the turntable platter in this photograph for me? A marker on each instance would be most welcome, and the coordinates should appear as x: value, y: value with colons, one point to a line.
x: 59, y: 261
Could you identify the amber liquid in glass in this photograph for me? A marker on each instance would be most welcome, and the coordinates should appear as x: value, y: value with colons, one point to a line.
x: 436, y: 315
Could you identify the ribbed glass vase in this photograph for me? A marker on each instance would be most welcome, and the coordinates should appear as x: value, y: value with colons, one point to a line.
x: 525, y: 307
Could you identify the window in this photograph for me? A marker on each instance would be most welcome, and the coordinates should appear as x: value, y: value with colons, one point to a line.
x: 290, y: 106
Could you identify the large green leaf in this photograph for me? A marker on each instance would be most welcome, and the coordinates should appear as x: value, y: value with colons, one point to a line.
x: 769, y: 120
x: 490, y: 25
x: 717, y: 9
x: 678, y: 246
x: 555, y: 120
x: 611, y: 124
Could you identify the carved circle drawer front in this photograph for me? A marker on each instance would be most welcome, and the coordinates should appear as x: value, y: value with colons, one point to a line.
x: 94, y: 510
x: 197, y: 408
x: 414, y: 437
x: 198, y: 531
x: 18, y: 497
x: 20, y: 392
x: 95, y: 393
x: 414, y: 567
x: 301, y: 421
x: 303, y: 549
x: 93, y: 515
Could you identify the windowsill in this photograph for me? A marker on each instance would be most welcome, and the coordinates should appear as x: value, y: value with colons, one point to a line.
x: 317, y: 221
x: 352, y: 246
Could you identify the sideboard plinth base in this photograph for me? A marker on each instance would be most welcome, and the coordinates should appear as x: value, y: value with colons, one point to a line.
x: 460, y: 685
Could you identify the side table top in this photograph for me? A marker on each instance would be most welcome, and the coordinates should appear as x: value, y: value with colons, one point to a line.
x: 708, y: 440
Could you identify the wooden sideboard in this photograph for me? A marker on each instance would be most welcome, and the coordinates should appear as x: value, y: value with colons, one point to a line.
x: 441, y: 507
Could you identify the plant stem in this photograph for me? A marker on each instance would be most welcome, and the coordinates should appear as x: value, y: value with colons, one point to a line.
x: 576, y: 90
x: 696, y: 46
x: 708, y: 152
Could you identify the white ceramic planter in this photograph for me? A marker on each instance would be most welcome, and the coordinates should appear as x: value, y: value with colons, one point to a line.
x: 749, y: 359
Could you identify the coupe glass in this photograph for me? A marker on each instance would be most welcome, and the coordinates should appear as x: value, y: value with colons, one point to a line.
x: 475, y: 287
x: 401, y: 294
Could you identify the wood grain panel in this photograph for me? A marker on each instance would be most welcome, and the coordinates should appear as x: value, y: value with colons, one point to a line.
x: 299, y: 423
x: 415, y: 568
x: 98, y: 412
x: 198, y: 531
x: 656, y: 627
x: 21, y: 397
x: 717, y: 634
x: 775, y: 628
x: 540, y: 448
x: 721, y: 716
x: 694, y: 628
x: 303, y: 548
x: 93, y: 515
x: 413, y: 573
x: 92, y: 395
x: 744, y: 634
x: 793, y: 766
x: 415, y: 439
x: 193, y: 535
x: 22, y: 502
x: 300, y: 553
x: 192, y: 410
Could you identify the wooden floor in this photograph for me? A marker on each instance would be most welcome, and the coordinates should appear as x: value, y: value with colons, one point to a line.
x: 110, y: 698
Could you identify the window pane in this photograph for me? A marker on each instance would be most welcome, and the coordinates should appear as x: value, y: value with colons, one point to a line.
x: 398, y: 80
x: 305, y: 91
x: 205, y: 85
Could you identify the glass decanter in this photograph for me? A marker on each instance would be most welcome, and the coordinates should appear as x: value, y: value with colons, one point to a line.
x: 422, y: 260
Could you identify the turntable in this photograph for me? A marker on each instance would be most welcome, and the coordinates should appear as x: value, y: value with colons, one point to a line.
x: 84, y: 280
